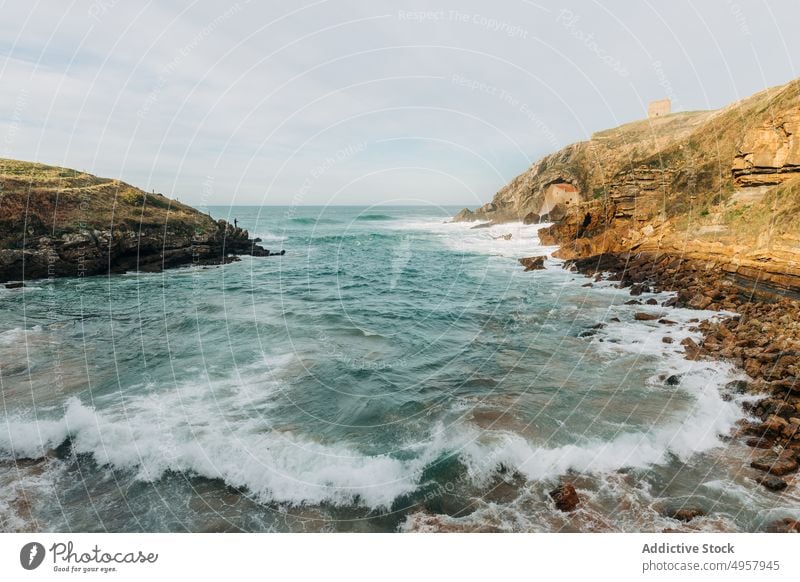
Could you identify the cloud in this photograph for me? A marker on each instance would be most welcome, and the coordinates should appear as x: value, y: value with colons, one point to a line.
x: 451, y: 99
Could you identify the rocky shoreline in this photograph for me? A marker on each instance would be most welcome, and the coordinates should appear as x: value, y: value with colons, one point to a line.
x: 762, y: 338
x: 98, y: 252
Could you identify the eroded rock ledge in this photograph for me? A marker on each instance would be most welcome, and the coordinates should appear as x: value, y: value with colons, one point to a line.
x: 57, y: 222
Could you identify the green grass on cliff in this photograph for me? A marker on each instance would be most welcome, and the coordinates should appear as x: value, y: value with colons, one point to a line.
x: 42, y: 199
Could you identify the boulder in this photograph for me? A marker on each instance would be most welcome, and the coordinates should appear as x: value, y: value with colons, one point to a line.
x: 531, y: 218
x: 776, y: 464
x: 772, y: 482
x: 565, y: 497
x: 556, y: 214
x: 642, y: 316
x: 533, y: 263
x: 691, y: 348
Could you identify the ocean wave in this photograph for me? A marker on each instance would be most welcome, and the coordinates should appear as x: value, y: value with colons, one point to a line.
x: 374, y: 217
x: 313, y: 221
x: 267, y: 236
x: 226, y: 433
x: 461, y: 237
x: 16, y: 335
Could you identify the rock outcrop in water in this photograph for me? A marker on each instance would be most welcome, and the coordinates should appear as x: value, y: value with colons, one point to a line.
x: 61, y: 222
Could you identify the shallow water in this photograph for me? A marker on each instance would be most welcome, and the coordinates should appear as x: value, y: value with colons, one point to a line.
x: 391, y: 372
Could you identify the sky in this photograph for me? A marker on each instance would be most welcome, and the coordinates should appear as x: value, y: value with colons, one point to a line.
x: 354, y: 102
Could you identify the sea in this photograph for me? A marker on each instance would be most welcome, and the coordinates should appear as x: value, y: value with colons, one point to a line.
x: 393, y: 371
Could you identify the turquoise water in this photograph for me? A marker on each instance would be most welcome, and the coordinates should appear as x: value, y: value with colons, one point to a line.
x: 391, y: 372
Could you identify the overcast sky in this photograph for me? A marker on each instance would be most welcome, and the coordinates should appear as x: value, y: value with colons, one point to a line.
x: 355, y: 102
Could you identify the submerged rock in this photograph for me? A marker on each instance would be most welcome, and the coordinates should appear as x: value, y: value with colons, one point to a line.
x: 785, y: 525
x: 685, y: 514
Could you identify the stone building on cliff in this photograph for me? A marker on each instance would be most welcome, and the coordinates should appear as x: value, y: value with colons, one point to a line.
x: 659, y: 108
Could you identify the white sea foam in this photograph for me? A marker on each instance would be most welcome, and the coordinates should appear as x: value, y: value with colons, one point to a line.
x: 222, y: 430
x: 462, y: 237
x: 267, y: 236
x: 17, y: 335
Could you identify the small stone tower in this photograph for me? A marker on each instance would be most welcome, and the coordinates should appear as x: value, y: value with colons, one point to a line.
x: 659, y: 108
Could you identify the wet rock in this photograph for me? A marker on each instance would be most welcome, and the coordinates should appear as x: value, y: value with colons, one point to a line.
x: 15, y: 285
x: 633, y: 302
x: 760, y: 443
x: 774, y: 424
x: 737, y: 386
x: 651, y: 301
x: 642, y: 316
x: 565, y: 497
x: 673, y: 380
x: 785, y: 525
x: 775, y: 464
x: 691, y: 348
x: 533, y: 263
x: 700, y: 301
x: 667, y: 340
x: 772, y: 482
x: 685, y: 514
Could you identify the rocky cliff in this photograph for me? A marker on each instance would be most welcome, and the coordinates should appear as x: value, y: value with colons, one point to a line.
x: 61, y: 222
x: 721, y: 187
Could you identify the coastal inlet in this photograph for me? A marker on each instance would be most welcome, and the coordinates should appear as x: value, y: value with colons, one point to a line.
x: 394, y: 371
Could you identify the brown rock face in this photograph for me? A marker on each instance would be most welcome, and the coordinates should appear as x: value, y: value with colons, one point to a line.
x: 531, y: 218
x: 718, y: 187
x: 565, y: 497
x: 778, y: 465
x: 533, y: 263
x: 642, y: 316
x: 770, y: 152
x: 60, y: 222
